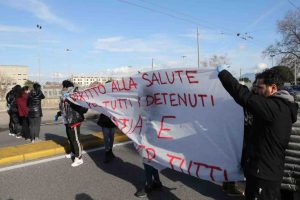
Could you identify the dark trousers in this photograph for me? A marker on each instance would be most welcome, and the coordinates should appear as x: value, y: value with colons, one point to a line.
x: 151, y: 174
x: 34, y: 127
x: 11, y: 124
x: 259, y: 189
x: 290, y: 195
x: 73, y: 135
x: 25, y: 127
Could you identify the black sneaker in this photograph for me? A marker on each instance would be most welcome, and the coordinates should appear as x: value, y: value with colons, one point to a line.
x: 107, y: 157
x: 157, y: 185
x: 112, y: 154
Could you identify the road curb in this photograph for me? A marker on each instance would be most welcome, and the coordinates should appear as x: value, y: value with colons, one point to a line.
x: 28, y: 152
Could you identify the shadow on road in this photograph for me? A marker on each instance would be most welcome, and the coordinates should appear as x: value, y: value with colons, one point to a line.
x: 129, y: 172
x: 83, y: 196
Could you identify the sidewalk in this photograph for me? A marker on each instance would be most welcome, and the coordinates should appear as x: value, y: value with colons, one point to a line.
x: 28, y: 152
x: 48, y: 118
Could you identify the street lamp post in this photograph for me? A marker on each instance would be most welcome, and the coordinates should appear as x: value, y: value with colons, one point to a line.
x: 272, y: 55
x: 39, y: 27
x: 69, y: 65
x: 183, y: 57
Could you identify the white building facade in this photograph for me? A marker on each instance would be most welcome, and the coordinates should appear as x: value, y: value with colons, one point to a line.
x: 11, y: 75
x: 87, y: 80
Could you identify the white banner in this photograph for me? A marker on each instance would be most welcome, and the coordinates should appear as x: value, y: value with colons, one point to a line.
x: 178, y: 118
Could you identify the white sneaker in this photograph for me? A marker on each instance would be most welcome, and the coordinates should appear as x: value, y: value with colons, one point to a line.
x: 70, y: 155
x: 11, y: 134
x: 77, y: 162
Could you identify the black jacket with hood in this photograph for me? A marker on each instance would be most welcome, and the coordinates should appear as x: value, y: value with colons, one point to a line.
x: 34, y: 103
x: 273, y: 117
x: 70, y: 112
x: 291, y: 177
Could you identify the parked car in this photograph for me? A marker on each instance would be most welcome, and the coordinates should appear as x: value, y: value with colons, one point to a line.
x: 294, y: 90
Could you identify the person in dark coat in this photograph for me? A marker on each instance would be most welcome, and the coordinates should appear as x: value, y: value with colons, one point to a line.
x: 35, y: 111
x: 22, y: 96
x: 274, y: 112
x: 72, y: 115
x: 290, y: 186
x: 108, y: 129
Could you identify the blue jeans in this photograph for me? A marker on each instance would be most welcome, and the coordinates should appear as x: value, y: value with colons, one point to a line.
x: 151, y: 172
x: 108, y: 134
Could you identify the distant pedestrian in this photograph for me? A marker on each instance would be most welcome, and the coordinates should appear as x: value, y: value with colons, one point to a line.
x: 35, y: 111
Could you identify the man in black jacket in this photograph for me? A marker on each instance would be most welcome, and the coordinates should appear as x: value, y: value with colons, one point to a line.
x: 72, y: 115
x: 273, y: 113
x: 35, y: 111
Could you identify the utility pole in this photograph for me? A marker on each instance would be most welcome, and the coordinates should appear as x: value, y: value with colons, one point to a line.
x: 272, y: 55
x: 183, y: 59
x: 295, y: 66
x: 240, y: 73
x: 68, y: 63
x: 152, y: 64
x: 198, y: 47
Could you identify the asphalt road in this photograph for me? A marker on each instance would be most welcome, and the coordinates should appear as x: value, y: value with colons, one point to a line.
x: 56, y: 179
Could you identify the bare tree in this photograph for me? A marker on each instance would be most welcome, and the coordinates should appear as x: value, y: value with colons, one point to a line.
x: 288, y: 48
x: 5, y: 84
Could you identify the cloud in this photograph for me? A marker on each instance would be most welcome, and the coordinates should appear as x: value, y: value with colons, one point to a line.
x: 156, y: 44
x: 205, y: 35
x: 260, y: 67
x: 57, y: 75
x: 120, y: 44
x: 242, y: 46
x: 17, y: 46
x: 265, y: 14
x: 41, y: 11
x: 5, y: 28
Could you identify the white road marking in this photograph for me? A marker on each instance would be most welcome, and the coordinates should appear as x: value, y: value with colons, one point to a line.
x: 3, y: 169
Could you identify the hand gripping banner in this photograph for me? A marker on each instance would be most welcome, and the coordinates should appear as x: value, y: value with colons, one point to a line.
x: 182, y: 119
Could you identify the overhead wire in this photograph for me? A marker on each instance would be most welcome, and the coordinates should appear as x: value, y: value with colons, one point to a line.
x: 294, y: 5
x: 211, y: 26
x: 182, y: 18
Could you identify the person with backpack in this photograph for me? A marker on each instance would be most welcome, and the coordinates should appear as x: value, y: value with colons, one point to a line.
x: 72, y: 115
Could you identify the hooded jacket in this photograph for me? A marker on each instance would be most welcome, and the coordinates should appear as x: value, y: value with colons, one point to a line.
x: 22, y: 105
x: 291, y: 177
x: 34, y: 103
x: 71, y: 113
x: 273, y: 117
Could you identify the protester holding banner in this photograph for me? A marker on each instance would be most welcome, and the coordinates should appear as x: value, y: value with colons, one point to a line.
x: 273, y: 114
x: 72, y: 115
x: 152, y: 181
x: 108, y: 129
